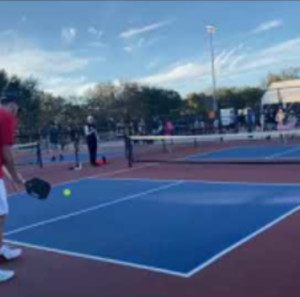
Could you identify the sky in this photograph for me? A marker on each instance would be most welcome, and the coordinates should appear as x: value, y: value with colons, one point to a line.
x: 69, y: 46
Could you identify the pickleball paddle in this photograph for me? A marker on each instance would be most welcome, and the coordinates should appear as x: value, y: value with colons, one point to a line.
x: 38, y: 188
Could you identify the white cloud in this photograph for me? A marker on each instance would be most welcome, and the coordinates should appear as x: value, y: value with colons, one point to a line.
x: 237, y: 65
x: 284, y: 47
x: 180, y: 72
x: 117, y: 82
x: 236, y: 61
x: 68, y: 34
x: 267, y: 26
x: 129, y: 49
x: 56, y: 71
x: 133, y: 46
x: 36, y: 62
x: 141, y: 30
x: 68, y: 86
x: 140, y: 43
x: 95, y: 32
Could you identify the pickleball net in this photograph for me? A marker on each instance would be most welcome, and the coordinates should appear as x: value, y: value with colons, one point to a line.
x: 274, y: 147
x: 28, y: 154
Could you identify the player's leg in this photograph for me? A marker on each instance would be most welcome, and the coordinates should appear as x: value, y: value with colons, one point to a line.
x: 94, y: 153
x: 6, y: 252
x: 5, y: 275
x: 53, y: 151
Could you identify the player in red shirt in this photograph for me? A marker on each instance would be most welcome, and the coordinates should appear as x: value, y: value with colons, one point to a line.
x: 8, y: 112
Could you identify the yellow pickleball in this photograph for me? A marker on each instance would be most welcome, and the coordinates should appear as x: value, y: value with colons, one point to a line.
x: 67, y: 192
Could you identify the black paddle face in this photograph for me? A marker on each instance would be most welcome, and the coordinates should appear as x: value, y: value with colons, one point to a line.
x: 38, y: 188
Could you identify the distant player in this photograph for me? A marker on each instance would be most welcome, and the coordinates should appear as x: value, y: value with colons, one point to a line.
x: 8, y: 112
x: 91, y: 139
x: 75, y: 138
x: 54, y: 135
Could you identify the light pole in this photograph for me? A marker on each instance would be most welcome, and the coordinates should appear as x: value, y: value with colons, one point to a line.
x: 212, y: 30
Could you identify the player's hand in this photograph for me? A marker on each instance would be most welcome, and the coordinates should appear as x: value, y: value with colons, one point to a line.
x: 19, y: 180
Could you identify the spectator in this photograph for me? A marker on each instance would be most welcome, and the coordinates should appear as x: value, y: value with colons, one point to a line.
x: 292, y: 120
x: 262, y: 121
x: 160, y: 128
x: 279, y: 118
x: 141, y: 127
x: 197, y: 126
x: 169, y: 128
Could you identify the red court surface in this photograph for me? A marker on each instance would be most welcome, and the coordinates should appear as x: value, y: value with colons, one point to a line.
x: 267, y: 265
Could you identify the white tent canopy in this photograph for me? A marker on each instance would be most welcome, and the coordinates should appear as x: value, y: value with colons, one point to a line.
x: 282, y: 92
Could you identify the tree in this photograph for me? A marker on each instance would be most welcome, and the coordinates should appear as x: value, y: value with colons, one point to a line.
x: 3, y: 80
x: 287, y: 74
x: 131, y: 102
x: 30, y: 107
x: 198, y: 103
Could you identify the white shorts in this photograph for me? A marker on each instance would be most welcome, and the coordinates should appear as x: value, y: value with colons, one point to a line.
x: 3, y: 199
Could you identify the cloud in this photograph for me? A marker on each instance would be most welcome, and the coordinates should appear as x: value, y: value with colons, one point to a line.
x: 68, y: 34
x: 236, y: 61
x: 141, y: 30
x: 180, y: 72
x: 267, y: 26
x: 132, y: 47
x: 56, y: 71
x: 37, y: 62
x: 140, y: 43
x: 69, y: 86
x: 184, y: 70
x: 95, y: 32
x: 284, y: 47
x: 117, y: 82
x: 238, y: 65
x: 129, y: 49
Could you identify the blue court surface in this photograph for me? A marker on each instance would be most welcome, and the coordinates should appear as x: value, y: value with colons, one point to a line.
x: 169, y: 226
x: 251, y: 152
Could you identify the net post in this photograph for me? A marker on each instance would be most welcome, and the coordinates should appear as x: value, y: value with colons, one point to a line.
x: 195, y: 142
x: 164, y: 146
x: 76, y: 149
x: 128, y: 150
x: 39, y: 155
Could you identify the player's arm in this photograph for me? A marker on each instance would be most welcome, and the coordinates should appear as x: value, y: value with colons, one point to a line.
x: 6, y: 173
x: 87, y: 131
x: 9, y: 163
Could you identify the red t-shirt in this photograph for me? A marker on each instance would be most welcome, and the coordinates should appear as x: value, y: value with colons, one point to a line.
x: 7, y: 133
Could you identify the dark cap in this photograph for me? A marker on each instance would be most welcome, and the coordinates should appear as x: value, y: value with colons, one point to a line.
x: 8, y: 97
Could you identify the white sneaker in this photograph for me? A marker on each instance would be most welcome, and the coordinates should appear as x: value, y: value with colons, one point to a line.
x: 9, y: 253
x: 5, y: 275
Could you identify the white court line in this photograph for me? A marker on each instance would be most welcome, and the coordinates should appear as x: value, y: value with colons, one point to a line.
x: 283, y: 153
x: 241, y: 242
x: 96, y: 258
x: 165, y: 271
x: 92, y: 208
x: 200, y: 181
